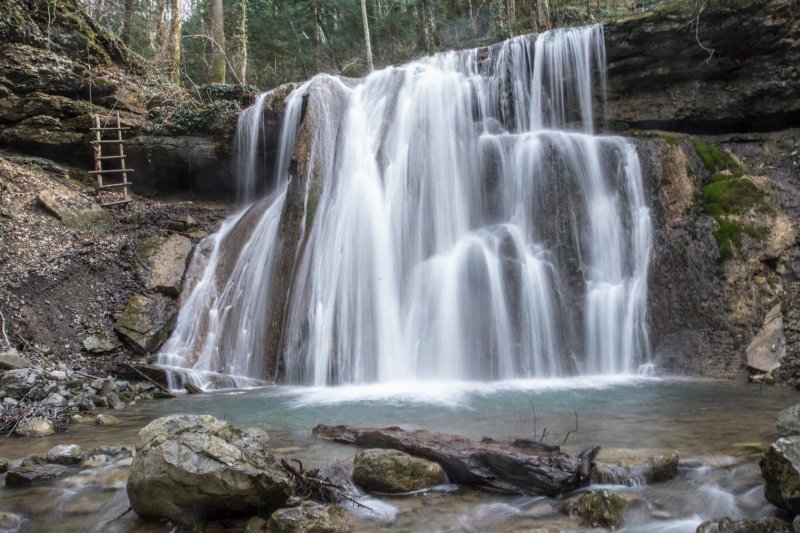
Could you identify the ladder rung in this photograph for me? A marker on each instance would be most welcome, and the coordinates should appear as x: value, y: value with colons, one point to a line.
x: 111, y: 157
x: 115, y: 141
x: 117, y: 202
x: 113, y: 185
x: 108, y: 129
x: 111, y: 171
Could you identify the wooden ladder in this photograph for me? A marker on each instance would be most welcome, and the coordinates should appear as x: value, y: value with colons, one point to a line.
x: 99, y: 171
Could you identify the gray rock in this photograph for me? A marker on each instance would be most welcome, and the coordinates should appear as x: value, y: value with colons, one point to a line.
x: 393, y: 471
x: 65, y: 454
x: 162, y: 262
x: 306, y: 517
x: 768, y: 347
x: 35, y: 427
x: 3, y: 465
x: 788, y: 421
x: 16, y: 383
x: 146, y: 321
x: 188, y: 468
x: 27, y: 475
x: 55, y: 400
x: 113, y: 401
x: 780, y: 468
x: 11, y: 360
x: 726, y: 525
x: 99, y: 343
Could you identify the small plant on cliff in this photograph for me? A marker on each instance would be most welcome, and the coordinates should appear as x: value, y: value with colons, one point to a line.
x: 716, y: 160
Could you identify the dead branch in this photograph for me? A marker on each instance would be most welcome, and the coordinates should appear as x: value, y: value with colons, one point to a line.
x: 309, y: 484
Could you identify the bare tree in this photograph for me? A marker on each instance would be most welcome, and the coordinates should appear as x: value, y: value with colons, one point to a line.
x: 240, y: 42
x: 366, y: 35
x: 127, y: 22
x: 217, y: 42
x: 173, y: 49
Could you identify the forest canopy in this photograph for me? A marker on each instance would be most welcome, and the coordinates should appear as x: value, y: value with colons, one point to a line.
x: 264, y: 43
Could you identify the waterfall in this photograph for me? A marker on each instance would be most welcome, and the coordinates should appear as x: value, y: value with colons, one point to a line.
x: 468, y: 225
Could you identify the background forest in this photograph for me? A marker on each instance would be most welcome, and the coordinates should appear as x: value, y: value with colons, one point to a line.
x: 267, y: 42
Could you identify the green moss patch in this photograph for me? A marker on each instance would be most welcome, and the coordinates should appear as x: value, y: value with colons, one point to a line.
x: 716, y: 160
x: 725, y: 196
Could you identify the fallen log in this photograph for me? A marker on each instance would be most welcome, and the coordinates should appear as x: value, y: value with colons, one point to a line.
x: 521, y: 467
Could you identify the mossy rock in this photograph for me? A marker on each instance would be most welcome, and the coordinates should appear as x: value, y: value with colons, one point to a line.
x: 780, y: 468
x: 597, y: 508
x: 392, y: 471
x: 727, y: 525
x: 146, y: 321
x: 306, y: 518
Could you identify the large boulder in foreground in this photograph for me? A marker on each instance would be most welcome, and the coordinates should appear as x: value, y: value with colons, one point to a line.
x: 188, y: 468
x: 727, y: 525
x: 780, y: 468
x: 392, y: 471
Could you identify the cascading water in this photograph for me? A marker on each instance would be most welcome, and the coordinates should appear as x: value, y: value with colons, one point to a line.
x: 469, y: 226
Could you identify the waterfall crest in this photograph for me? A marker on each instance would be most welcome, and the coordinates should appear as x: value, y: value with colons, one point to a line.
x: 458, y: 219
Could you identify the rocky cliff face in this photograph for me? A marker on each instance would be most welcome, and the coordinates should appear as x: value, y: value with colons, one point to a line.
x: 732, y: 66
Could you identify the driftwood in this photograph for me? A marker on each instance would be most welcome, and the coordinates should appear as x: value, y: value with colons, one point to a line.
x: 521, y: 467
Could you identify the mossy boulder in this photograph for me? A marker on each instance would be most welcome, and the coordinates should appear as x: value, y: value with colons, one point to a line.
x: 146, y: 321
x: 307, y: 518
x: 392, y: 471
x: 780, y: 468
x: 597, y: 508
x: 633, y: 466
x: 188, y: 468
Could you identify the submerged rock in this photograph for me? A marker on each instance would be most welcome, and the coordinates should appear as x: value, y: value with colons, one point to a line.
x: 3, y: 465
x: 630, y: 467
x: 146, y: 321
x: 308, y: 517
x: 27, y: 474
x: 597, y: 508
x: 10, y: 521
x: 727, y: 525
x: 35, y: 427
x: 65, y: 454
x: 393, y: 471
x: 106, y: 420
x: 780, y: 468
x: 190, y: 467
x: 788, y: 421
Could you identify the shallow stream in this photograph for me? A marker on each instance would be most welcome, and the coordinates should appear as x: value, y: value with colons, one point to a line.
x: 719, y: 428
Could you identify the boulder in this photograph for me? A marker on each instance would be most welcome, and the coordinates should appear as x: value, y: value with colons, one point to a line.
x: 11, y: 360
x: 16, y: 383
x: 780, y: 468
x: 768, y: 347
x: 65, y: 454
x: 146, y: 321
x: 162, y: 262
x: 597, y: 508
x: 35, y: 427
x: 190, y: 467
x: 626, y: 466
x: 788, y: 421
x: 28, y: 474
x: 3, y: 465
x: 392, y: 471
x: 308, y: 517
x: 727, y: 525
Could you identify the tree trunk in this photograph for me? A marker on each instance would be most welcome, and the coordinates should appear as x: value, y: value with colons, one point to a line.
x: 520, y: 467
x: 543, y: 14
x: 159, y: 36
x: 366, y: 35
x: 511, y: 13
x: 217, y: 74
x: 321, y: 25
x: 127, y: 23
x: 173, y: 54
x: 240, y: 43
